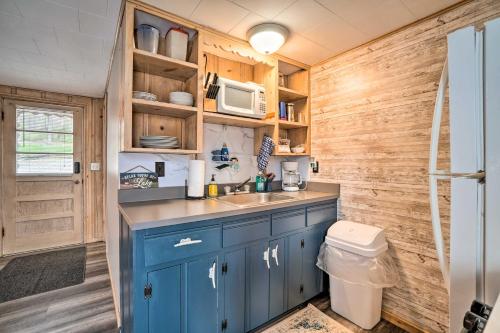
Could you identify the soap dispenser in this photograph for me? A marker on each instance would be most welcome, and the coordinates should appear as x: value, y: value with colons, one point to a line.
x: 212, y: 188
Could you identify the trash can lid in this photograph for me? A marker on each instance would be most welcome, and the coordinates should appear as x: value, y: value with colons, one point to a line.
x: 362, y: 239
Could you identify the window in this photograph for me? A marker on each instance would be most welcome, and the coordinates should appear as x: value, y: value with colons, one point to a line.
x: 44, y: 141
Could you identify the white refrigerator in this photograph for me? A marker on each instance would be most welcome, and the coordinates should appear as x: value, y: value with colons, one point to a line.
x: 472, y: 76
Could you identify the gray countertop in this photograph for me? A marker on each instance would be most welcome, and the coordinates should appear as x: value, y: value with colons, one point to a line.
x: 160, y: 213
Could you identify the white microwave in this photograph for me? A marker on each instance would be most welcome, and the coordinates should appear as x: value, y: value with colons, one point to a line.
x: 241, y: 99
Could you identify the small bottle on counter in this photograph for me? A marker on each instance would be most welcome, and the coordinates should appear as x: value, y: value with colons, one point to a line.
x: 212, y: 188
x: 260, y: 182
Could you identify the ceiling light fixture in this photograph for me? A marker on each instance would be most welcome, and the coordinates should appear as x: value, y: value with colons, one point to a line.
x: 267, y: 38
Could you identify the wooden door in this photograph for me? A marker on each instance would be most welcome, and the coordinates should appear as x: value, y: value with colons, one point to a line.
x: 202, y: 295
x: 234, y: 291
x: 42, y: 191
x: 258, y: 266
x: 277, y: 278
x: 164, y: 305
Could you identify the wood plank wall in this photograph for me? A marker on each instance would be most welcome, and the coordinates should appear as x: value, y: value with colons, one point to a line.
x: 371, y: 121
x: 93, y: 136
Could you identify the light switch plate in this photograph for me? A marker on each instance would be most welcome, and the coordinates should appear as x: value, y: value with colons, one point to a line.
x: 95, y: 166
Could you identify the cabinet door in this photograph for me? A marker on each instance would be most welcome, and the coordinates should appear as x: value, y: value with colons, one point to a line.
x: 311, y: 274
x: 164, y: 308
x: 201, y: 295
x: 258, y: 266
x: 277, y: 278
x: 294, y: 270
x: 234, y: 291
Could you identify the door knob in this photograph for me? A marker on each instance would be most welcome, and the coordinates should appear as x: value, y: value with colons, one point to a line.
x: 77, y: 182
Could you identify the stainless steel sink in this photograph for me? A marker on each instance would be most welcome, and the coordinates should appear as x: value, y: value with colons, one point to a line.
x: 254, y: 199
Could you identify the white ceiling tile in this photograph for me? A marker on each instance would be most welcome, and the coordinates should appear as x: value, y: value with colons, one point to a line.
x: 265, y: 8
x: 98, y: 7
x: 49, y: 14
x: 44, y: 61
x: 303, y: 15
x: 219, y: 14
x: 18, y: 39
x: 8, y: 54
x: 240, y: 30
x: 335, y: 35
x: 9, y: 21
x: 182, y: 8
x: 423, y: 8
x: 9, y: 6
x: 77, y: 42
x: 304, y: 50
x: 374, y: 18
x: 97, y: 26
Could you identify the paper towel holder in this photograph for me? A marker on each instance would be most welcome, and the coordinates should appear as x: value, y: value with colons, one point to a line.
x: 187, y: 197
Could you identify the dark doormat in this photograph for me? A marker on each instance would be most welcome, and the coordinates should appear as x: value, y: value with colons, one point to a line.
x: 38, y: 273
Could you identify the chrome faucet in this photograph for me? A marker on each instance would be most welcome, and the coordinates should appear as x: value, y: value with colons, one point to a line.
x: 238, y: 187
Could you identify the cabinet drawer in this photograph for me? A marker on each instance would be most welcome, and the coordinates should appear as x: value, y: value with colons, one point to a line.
x: 322, y: 213
x: 288, y: 221
x: 173, y: 246
x: 246, y: 231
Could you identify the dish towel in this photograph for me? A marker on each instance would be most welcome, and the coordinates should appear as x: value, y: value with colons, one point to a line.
x: 266, y: 149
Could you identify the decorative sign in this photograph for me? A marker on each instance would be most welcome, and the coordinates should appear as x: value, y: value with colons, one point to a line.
x: 138, y: 177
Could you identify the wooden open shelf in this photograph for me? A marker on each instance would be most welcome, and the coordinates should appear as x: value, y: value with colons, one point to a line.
x: 291, y: 154
x: 285, y: 124
x: 224, y: 119
x: 159, y: 151
x: 290, y: 95
x: 157, y: 64
x: 162, y: 108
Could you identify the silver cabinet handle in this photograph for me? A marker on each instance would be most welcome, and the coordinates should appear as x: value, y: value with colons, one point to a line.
x: 275, y: 254
x: 266, y: 258
x: 211, y: 275
x: 188, y: 241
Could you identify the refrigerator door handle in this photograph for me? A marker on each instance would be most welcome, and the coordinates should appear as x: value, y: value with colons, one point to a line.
x: 434, y: 175
x: 440, y: 174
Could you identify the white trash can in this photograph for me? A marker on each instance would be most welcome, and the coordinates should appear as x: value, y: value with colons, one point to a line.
x: 359, y: 302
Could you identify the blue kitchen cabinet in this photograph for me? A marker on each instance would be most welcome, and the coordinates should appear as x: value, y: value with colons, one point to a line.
x: 311, y: 275
x: 164, y: 306
x: 221, y: 276
x: 233, y: 278
x: 294, y: 269
x: 202, y: 295
x: 266, y: 287
x: 258, y: 266
x: 277, y: 278
x: 303, y: 276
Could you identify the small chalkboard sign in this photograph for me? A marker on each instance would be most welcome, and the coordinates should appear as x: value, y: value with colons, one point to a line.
x: 138, y: 177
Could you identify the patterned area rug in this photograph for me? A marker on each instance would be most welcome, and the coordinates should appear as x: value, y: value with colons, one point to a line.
x: 308, y: 320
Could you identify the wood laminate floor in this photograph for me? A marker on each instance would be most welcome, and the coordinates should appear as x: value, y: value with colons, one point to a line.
x: 87, y: 307
x: 323, y: 303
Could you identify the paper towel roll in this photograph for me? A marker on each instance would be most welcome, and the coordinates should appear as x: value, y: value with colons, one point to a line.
x: 196, y: 179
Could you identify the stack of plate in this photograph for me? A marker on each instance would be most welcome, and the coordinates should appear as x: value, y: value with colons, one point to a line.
x: 144, y: 95
x: 180, y: 97
x: 165, y: 142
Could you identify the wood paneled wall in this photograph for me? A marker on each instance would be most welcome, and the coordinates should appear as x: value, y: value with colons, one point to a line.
x: 372, y: 111
x: 93, y: 138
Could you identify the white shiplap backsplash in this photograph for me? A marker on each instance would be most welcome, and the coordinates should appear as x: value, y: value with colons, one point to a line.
x: 240, y: 144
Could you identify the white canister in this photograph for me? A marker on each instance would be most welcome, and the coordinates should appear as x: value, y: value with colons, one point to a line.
x: 176, y: 44
x: 196, y: 179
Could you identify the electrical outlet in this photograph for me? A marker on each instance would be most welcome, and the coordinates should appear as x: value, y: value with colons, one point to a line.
x: 316, y: 167
x: 160, y: 169
x: 94, y: 166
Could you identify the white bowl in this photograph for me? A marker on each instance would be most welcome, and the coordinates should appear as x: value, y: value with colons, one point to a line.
x: 298, y: 149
